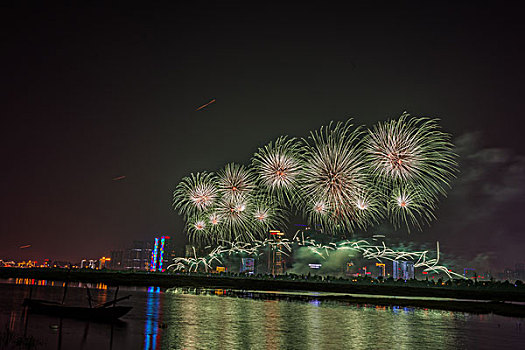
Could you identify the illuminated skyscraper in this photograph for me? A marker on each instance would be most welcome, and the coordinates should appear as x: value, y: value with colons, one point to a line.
x: 403, y: 270
x: 276, y: 262
x: 161, y: 254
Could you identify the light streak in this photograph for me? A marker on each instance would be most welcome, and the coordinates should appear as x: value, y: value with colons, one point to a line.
x: 205, y: 105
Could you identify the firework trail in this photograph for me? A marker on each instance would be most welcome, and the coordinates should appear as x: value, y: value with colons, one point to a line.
x: 371, y: 251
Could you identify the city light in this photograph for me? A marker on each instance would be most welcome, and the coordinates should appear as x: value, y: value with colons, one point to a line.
x: 153, y: 265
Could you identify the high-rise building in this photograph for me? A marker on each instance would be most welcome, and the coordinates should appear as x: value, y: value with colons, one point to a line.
x: 403, y: 269
x: 161, y: 254
x: 117, y: 260
x: 138, y: 256
x: 247, y: 265
x: 276, y: 263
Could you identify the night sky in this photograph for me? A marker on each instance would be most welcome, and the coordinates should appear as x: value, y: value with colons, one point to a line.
x: 90, y: 93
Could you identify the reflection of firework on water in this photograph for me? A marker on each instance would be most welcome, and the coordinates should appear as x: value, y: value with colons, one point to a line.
x: 235, y: 181
x: 377, y: 251
x: 408, y: 204
x: 334, y: 173
x: 339, y: 178
x: 278, y: 167
x: 411, y: 150
x: 195, y: 193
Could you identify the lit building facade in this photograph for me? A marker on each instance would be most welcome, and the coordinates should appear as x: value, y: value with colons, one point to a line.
x: 137, y: 257
x: 161, y: 254
x: 276, y: 262
x: 403, y: 270
x: 247, y: 266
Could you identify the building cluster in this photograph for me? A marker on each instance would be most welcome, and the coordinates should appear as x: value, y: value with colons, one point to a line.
x: 274, y: 260
x: 154, y: 255
x: 34, y: 263
x: 157, y: 254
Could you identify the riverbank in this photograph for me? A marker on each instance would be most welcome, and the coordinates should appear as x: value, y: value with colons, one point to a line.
x: 446, y: 304
x: 485, y: 291
x: 391, y: 293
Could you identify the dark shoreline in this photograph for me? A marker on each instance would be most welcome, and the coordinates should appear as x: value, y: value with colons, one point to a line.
x: 469, y: 306
x: 478, y: 295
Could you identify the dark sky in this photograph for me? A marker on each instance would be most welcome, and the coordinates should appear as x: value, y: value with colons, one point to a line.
x: 90, y: 93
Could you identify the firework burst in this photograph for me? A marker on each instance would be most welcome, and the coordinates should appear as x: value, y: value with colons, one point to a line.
x: 235, y: 181
x: 267, y: 214
x: 340, y: 178
x: 411, y: 150
x: 334, y: 173
x: 197, y: 229
x: 369, y: 208
x: 214, y: 220
x: 278, y: 167
x: 237, y: 221
x: 195, y: 194
x: 409, y: 204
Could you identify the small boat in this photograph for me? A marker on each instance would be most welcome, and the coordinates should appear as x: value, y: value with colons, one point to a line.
x: 106, y: 312
x: 86, y: 313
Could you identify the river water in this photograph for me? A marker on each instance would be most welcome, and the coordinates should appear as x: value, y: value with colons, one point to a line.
x: 163, y: 319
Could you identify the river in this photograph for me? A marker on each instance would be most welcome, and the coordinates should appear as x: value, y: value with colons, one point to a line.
x: 163, y: 319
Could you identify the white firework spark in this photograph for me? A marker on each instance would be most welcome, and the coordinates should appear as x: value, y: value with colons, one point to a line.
x: 278, y: 166
x: 195, y: 194
x: 411, y: 150
x: 197, y: 230
x: 235, y: 181
x: 369, y: 208
x: 214, y: 219
x: 378, y: 252
x: 409, y: 205
x: 267, y: 214
x: 334, y: 173
x: 237, y: 222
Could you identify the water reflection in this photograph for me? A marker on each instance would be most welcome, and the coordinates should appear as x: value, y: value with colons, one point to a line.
x: 198, y: 321
x: 151, y: 328
x: 37, y: 282
x: 209, y: 320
